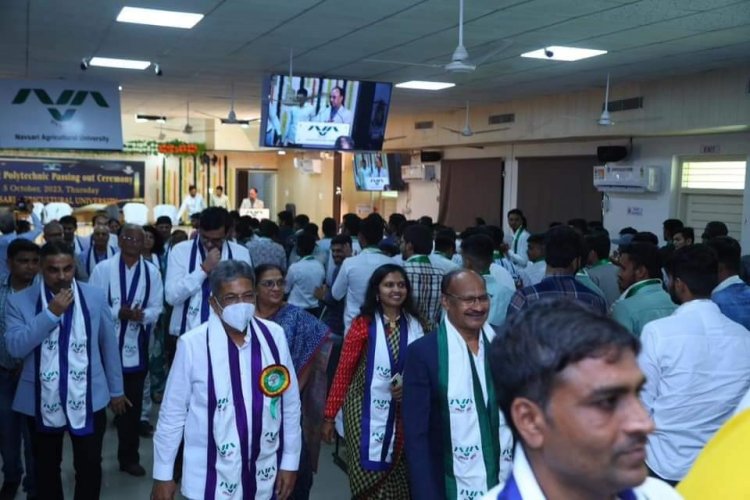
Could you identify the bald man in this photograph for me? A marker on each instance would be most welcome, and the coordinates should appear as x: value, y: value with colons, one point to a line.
x: 449, y: 399
x: 53, y: 231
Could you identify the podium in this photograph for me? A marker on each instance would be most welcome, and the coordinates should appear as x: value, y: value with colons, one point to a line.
x: 256, y: 213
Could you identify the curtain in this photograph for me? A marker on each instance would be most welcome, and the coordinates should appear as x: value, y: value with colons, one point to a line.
x: 471, y: 189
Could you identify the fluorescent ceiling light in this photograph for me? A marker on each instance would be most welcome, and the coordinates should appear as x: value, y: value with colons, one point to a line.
x: 557, y: 53
x: 108, y: 62
x: 420, y: 85
x: 150, y: 118
x: 154, y: 17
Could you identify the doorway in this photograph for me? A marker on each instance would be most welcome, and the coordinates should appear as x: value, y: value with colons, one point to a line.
x: 262, y: 180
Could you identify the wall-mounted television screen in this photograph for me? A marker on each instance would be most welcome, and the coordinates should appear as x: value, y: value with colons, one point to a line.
x: 378, y: 172
x: 324, y: 113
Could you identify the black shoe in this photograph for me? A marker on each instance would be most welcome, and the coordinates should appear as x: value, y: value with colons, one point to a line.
x: 8, y: 491
x: 134, y: 470
x: 145, y: 429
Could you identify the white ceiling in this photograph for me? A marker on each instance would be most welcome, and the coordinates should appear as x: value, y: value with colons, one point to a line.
x: 239, y: 41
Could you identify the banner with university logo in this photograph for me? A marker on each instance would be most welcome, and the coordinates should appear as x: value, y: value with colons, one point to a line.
x: 60, y: 114
x: 75, y: 182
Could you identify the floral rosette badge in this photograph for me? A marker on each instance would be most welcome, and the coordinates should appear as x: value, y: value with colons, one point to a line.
x: 274, y: 380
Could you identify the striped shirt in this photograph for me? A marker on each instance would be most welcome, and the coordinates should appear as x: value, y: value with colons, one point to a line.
x: 557, y: 287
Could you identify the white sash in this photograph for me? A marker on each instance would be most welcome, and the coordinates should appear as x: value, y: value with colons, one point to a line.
x: 130, y: 345
x: 52, y: 359
x: 91, y: 261
x: 377, y: 418
x: 226, y: 435
x: 466, y: 439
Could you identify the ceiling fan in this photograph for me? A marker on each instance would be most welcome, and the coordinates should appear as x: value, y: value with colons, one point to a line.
x: 460, y: 61
x: 187, y: 129
x: 231, y: 118
x: 290, y: 95
x: 468, y: 132
x: 604, y: 119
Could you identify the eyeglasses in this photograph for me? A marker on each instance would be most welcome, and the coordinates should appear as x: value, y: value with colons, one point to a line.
x: 131, y: 239
x: 471, y: 300
x: 272, y: 283
x: 231, y: 298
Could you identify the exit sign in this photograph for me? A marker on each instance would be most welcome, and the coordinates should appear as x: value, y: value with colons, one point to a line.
x: 710, y: 149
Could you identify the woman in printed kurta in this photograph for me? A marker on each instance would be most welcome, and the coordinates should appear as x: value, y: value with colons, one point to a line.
x: 379, y: 335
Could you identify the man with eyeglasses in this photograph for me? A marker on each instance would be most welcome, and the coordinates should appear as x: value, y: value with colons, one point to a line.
x: 233, y: 394
x: 190, y: 263
x: 134, y: 293
x: 457, y: 442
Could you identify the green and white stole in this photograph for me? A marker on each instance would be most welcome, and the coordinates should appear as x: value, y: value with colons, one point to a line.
x: 472, y: 425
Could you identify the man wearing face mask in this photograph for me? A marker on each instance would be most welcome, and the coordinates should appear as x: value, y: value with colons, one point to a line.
x: 134, y: 290
x: 190, y: 263
x: 251, y: 414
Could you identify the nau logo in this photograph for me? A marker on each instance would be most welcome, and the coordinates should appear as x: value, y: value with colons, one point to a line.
x: 76, y: 405
x: 323, y: 130
x: 381, y: 404
x: 383, y: 372
x: 222, y: 404
x: 378, y: 437
x: 267, y: 474
x: 130, y: 350
x: 226, y: 449
x: 461, y: 405
x: 271, y: 436
x: 466, y: 453
x: 78, y: 347
x: 70, y: 98
x: 51, y: 344
x: 465, y: 494
x: 51, y: 407
x: 193, y: 310
x: 228, y: 489
x: 50, y: 376
x: 77, y: 375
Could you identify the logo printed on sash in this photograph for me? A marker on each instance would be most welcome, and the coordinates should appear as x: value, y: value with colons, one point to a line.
x: 222, y: 404
x: 130, y: 350
x: 77, y: 405
x: 193, y: 310
x: 383, y: 372
x: 461, y: 405
x: 466, y: 494
x: 51, y: 407
x: 78, y: 347
x: 228, y: 489
x: 381, y: 404
x: 378, y: 437
x: 466, y: 454
x: 51, y: 345
x: 226, y: 449
x: 78, y: 375
x: 266, y: 474
x: 271, y: 436
x: 50, y: 376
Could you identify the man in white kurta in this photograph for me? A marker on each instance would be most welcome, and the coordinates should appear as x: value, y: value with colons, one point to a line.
x: 233, y: 396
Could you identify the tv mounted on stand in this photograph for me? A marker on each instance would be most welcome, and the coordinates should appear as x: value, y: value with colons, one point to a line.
x: 324, y: 113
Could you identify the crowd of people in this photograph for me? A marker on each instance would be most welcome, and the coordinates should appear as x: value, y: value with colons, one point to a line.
x: 562, y: 364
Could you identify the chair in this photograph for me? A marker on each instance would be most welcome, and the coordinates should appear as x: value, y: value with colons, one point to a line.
x: 168, y: 210
x: 56, y: 210
x: 135, y: 213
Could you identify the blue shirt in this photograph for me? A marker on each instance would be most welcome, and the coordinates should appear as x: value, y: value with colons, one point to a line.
x: 733, y: 298
x: 557, y: 287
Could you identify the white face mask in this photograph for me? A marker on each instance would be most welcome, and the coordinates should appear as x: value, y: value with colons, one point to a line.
x: 238, y: 315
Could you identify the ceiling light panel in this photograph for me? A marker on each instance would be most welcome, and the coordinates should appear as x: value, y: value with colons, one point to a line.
x: 155, y: 17
x: 109, y: 62
x: 422, y: 85
x: 567, y: 54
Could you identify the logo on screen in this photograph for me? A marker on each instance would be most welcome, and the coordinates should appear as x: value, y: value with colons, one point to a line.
x: 323, y: 130
x: 70, y: 98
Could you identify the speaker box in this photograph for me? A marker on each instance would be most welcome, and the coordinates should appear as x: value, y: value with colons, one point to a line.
x: 430, y: 156
x: 608, y: 154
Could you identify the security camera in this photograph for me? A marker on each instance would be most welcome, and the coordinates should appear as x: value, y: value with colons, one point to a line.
x: 549, y: 53
x: 157, y: 70
x: 84, y: 64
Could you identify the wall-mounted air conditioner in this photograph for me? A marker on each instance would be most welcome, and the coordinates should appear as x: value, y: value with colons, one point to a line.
x: 418, y: 172
x: 614, y: 178
x: 312, y: 167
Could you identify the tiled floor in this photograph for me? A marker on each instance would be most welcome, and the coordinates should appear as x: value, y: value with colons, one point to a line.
x: 330, y: 482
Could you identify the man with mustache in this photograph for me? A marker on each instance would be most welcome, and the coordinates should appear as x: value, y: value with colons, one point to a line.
x: 567, y: 381
x: 457, y: 442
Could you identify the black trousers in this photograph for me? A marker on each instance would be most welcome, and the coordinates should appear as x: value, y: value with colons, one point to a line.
x: 87, y: 460
x: 128, y: 423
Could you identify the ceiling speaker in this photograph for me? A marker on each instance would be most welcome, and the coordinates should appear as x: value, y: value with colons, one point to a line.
x: 608, y: 154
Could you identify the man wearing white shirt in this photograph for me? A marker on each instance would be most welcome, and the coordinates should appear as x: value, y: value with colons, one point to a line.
x: 190, y: 263
x: 192, y: 204
x: 135, y: 296
x: 567, y: 382
x: 337, y: 112
x: 232, y: 394
x: 219, y: 199
x: 697, y: 366
x: 8, y: 230
x: 302, y: 112
x: 537, y: 267
x: 516, y: 250
x: 445, y: 247
x: 252, y: 200
x: 304, y: 276
x: 355, y: 272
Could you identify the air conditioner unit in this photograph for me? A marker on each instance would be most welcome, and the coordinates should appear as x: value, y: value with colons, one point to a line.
x: 613, y: 178
x: 418, y: 172
x: 312, y: 167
